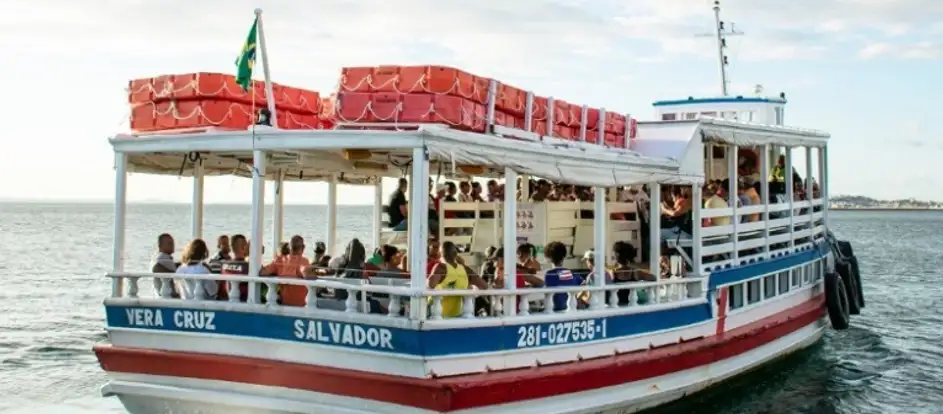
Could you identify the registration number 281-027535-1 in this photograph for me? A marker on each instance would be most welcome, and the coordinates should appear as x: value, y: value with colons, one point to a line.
x: 558, y: 333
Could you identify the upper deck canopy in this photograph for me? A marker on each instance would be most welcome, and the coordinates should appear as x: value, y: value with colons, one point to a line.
x: 666, y: 152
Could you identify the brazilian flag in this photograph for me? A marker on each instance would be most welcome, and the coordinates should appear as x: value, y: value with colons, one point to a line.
x: 246, y: 60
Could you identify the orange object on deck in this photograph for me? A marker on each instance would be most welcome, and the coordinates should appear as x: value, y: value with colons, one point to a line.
x: 566, y: 114
x: 397, y: 108
x: 511, y: 100
x: 440, y: 80
x: 218, y: 86
x: 208, y: 113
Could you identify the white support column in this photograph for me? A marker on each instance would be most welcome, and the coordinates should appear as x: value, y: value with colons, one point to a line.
x: 418, y: 230
x: 732, y: 163
x: 709, y: 161
x: 697, y: 202
x: 510, y: 186
x: 510, y: 244
x: 278, y: 211
x: 550, y: 116
x: 808, y: 176
x: 378, y: 212
x: 332, y: 215
x: 121, y: 209
x: 600, y: 222
x: 258, y: 213
x: 823, y: 186
x: 196, y: 203
x: 628, y: 131
x: 584, y: 117
x: 790, y: 196
x: 601, y: 127
x: 808, y: 191
x: 654, y: 223
x: 764, y: 197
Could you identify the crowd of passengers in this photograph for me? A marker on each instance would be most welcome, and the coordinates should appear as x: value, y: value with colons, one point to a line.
x: 446, y: 269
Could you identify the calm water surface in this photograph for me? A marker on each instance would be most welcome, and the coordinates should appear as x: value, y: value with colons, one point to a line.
x: 53, y: 256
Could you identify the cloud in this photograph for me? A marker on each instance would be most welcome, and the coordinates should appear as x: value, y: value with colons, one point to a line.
x: 925, y: 50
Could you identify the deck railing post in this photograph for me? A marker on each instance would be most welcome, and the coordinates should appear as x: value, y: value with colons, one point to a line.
x: 196, y: 203
x: 418, y: 227
x: 600, y: 222
x: 790, y: 196
x: 510, y: 240
x: 258, y: 212
x: 121, y: 208
x: 278, y: 211
x: 654, y: 223
x: 332, y: 214
x: 733, y: 195
x: 764, y: 196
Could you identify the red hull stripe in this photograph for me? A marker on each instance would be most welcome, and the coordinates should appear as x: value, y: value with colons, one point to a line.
x: 466, y: 391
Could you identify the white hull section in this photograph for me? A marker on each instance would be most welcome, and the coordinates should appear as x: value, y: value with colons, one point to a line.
x: 145, y: 394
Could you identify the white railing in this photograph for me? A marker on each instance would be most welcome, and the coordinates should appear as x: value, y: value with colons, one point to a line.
x: 783, y: 231
x: 390, y: 297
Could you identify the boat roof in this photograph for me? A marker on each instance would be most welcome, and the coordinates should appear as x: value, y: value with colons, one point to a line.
x: 719, y: 99
x: 665, y: 152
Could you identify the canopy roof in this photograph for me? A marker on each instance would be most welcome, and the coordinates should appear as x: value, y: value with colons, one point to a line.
x: 666, y: 152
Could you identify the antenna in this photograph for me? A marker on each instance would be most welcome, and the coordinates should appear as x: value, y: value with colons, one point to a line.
x: 721, y: 33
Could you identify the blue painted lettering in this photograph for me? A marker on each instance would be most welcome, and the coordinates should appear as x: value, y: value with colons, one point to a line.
x: 559, y: 333
x: 145, y: 317
x: 340, y: 333
x: 195, y: 320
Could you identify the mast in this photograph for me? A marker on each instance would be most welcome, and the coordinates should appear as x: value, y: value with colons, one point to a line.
x: 721, y: 34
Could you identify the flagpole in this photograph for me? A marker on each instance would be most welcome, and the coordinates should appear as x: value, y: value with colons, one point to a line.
x: 270, y: 95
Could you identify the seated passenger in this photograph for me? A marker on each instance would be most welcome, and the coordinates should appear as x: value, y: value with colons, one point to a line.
x: 525, y: 257
x: 238, y: 266
x: 163, y: 262
x: 320, y: 250
x: 451, y: 273
x: 626, y: 272
x: 388, y: 265
x: 292, y: 264
x: 193, y: 256
x: 222, y: 253
x: 558, y: 275
x: 715, y: 199
x: 524, y: 277
x: 676, y: 216
x: 434, y: 257
x: 488, y: 268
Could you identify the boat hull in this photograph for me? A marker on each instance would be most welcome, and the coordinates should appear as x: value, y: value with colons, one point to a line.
x: 147, y: 393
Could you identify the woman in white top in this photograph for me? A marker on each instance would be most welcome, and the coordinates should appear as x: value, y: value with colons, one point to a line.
x: 192, y: 263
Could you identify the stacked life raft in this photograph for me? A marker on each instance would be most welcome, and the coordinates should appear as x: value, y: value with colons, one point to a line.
x: 376, y: 95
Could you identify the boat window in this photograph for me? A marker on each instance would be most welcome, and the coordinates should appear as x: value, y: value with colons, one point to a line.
x: 735, y: 294
x: 690, y: 115
x: 753, y: 291
x: 796, y: 277
x: 669, y: 117
x: 818, y: 271
x: 730, y: 115
x: 709, y: 113
x: 783, y: 282
x: 769, y: 286
x: 746, y: 116
x: 806, y: 273
x: 779, y: 115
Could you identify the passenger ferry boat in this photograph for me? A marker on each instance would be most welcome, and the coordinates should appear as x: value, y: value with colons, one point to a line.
x: 743, y: 285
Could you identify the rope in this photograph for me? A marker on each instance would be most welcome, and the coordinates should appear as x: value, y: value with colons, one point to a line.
x: 163, y: 113
x: 143, y: 91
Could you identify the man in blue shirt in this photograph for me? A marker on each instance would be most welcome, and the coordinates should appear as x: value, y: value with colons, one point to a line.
x: 559, y: 275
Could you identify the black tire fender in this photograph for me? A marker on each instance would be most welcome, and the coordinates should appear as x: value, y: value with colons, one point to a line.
x: 846, y: 271
x: 836, y: 301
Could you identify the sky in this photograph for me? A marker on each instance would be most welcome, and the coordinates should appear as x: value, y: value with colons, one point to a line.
x: 867, y: 71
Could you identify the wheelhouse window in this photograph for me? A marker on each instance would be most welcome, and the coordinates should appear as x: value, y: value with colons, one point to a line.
x: 669, y: 117
x: 690, y: 115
